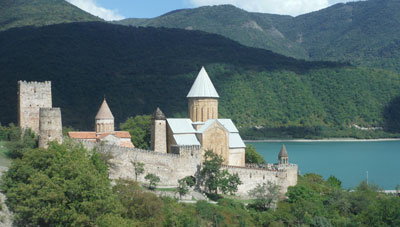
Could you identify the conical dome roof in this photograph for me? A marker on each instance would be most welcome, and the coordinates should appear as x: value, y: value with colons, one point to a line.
x: 283, y: 152
x: 202, y: 86
x: 158, y: 115
x: 104, y: 112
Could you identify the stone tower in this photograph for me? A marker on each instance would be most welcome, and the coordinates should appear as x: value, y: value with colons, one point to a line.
x: 203, y: 99
x: 104, y: 119
x: 31, y: 97
x: 159, y: 132
x: 50, y: 126
x: 283, y: 157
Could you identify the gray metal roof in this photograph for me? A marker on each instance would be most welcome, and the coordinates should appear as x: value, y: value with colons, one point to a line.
x: 186, y: 139
x: 228, y: 124
x: 235, y: 141
x: 206, y: 125
x: 202, y: 86
x: 181, y: 125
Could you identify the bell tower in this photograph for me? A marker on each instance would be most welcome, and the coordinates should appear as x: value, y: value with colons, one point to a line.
x: 203, y: 99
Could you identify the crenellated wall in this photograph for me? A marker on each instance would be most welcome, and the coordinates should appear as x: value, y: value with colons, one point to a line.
x: 170, y: 167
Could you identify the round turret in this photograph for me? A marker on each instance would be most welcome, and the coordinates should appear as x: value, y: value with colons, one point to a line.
x: 50, y: 126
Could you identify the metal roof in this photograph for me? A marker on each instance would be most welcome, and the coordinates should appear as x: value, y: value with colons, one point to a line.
x: 206, y: 125
x: 104, y: 112
x: 202, y: 86
x: 235, y: 141
x: 186, y: 139
x: 181, y: 125
x: 228, y: 124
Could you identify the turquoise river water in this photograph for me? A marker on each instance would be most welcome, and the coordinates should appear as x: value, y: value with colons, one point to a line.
x: 350, y: 162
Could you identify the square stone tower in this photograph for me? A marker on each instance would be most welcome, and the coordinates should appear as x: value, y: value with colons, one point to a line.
x: 31, y: 97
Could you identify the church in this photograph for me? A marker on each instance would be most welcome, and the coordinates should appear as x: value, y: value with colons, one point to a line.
x: 105, y: 130
x: 202, y: 128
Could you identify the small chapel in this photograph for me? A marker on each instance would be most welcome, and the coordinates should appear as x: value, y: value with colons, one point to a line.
x: 105, y: 130
x: 202, y: 128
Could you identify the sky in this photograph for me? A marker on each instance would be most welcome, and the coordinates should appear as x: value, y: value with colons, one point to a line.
x: 120, y: 9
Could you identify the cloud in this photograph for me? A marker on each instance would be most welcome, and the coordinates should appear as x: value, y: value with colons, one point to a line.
x: 286, y: 7
x: 91, y: 7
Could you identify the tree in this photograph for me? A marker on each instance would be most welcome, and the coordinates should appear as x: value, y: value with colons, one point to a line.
x: 265, y: 195
x: 20, y: 142
x: 138, y: 167
x: 334, y: 182
x: 184, y: 184
x: 64, y: 181
x: 140, y: 128
x: 252, y: 156
x: 214, y: 178
x: 183, y: 188
x: 153, y: 180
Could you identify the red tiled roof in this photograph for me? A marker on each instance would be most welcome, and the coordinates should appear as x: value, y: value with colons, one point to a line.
x: 122, y: 134
x: 82, y: 135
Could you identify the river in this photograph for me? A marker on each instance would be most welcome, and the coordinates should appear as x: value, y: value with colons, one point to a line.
x: 349, y: 161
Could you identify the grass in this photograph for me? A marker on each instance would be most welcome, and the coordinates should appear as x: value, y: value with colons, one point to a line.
x: 4, y: 160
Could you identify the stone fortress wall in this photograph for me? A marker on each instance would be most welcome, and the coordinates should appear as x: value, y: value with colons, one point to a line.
x: 251, y: 176
x: 31, y: 97
x: 186, y: 161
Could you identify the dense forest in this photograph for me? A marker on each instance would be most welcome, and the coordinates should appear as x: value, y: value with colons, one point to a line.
x: 139, y: 69
x: 362, y: 32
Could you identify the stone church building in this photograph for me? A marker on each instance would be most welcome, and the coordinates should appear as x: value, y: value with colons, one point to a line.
x: 105, y: 130
x: 203, y: 128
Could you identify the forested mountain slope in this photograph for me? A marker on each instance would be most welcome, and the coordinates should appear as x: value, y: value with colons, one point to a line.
x: 19, y: 13
x: 251, y: 29
x: 363, y: 33
x: 139, y: 69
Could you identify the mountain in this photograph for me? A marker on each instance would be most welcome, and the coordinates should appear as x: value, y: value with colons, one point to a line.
x: 251, y: 29
x: 363, y: 33
x: 139, y: 69
x: 19, y: 13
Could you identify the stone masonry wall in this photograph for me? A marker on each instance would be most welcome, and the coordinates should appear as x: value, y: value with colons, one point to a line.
x: 50, y: 126
x: 31, y: 97
x: 186, y: 161
x: 284, y: 176
x: 169, y: 167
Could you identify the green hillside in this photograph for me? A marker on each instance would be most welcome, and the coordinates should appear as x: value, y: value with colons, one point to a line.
x: 139, y: 69
x: 251, y: 29
x: 19, y: 13
x: 363, y: 33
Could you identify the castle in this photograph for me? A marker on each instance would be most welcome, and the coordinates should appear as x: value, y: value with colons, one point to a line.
x: 177, y: 145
